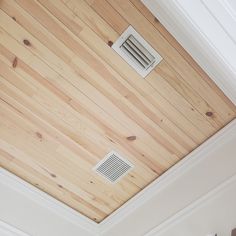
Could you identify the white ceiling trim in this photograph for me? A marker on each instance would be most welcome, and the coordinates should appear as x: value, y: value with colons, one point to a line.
x: 8, y: 230
x: 196, y: 26
x: 161, y: 183
x: 45, y: 200
x: 224, y: 14
x: 158, y: 186
x: 192, y: 207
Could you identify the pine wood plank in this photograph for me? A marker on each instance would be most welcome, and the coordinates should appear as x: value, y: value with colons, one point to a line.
x: 127, y: 12
x: 166, y: 133
x: 198, y: 103
x: 56, y: 80
x: 67, y: 99
x: 77, y: 163
x: 102, y: 50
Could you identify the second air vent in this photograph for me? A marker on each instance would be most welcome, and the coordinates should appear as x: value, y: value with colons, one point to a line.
x: 136, y: 51
x: 113, y: 167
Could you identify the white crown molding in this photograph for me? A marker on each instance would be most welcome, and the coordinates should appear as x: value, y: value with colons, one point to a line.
x: 207, y: 41
x: 224, y: 14
x: 8, y: 230
x: 159, y: 185
x: 45, y: 200
x: 179, y: 216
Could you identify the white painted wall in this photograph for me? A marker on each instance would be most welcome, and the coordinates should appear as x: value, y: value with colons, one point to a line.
x: 216, y: 215
x: 21, y: 212
x: 197, y: 196
x: 9, y: 230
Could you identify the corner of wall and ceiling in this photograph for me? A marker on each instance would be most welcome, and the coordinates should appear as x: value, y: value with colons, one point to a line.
x: 216, y: 55
x: 159, y: 185
x: 218, y: 67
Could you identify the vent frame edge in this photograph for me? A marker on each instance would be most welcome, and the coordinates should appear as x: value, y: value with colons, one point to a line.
x: 123, y: 37
x: 105, y: 158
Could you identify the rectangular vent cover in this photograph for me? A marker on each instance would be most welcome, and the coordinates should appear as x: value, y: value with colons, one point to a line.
x: 136, y: 52
x: 113, y: 167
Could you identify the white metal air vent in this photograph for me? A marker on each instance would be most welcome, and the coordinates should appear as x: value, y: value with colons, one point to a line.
x: 113, y: 167
x: 136, y: 51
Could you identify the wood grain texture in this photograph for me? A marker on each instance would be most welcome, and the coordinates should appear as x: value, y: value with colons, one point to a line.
x: 67, y: 99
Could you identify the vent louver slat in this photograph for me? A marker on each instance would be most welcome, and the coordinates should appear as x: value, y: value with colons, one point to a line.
x: 136, y: 52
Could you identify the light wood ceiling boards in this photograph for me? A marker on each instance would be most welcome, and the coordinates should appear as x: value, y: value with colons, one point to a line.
x: 67, y: 99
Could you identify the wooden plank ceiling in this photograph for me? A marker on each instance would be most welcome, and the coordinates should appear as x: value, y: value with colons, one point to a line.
x: 67, y: 99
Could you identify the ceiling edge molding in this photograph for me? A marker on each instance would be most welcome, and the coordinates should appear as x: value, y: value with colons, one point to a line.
x: 45, y: 200
x: 10, y: 230
x: 179, y: 216
x: 199, y: 154
x: 182, y: 25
